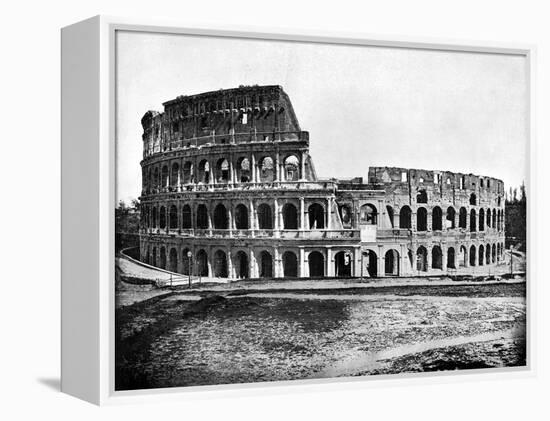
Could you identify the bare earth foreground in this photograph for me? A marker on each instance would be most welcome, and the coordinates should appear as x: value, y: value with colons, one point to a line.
x: 187, y: 339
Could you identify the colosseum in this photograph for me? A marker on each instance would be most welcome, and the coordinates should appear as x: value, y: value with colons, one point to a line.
x: 230, y: 191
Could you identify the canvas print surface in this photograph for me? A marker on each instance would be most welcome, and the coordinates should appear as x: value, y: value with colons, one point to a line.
x: 290, y: 211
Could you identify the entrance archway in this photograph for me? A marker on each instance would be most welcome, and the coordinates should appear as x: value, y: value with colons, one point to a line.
x: 266, y: 265
x: 391, y: 263
x: 372, y: 263
x: 316, y: 216
x: 290, y: 217
x: 316, y: 263
x: 343, y: 264
x: 241, y: 265
x: 220, y: 264
x: 290, y: 265
x: 422, y: 259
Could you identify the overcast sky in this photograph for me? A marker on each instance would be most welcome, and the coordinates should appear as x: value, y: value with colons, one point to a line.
x: 363, y: 106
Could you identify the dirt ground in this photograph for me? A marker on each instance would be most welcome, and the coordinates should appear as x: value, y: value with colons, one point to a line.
x: 201, y: 338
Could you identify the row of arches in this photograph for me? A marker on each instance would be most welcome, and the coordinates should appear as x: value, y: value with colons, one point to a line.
x: 422, y: 198
x: 241, y: 170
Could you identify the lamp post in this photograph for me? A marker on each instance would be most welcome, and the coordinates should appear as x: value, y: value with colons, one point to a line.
x: 189, y: 255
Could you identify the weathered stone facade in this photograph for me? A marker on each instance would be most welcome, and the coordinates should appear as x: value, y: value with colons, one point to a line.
x: 230, y: 191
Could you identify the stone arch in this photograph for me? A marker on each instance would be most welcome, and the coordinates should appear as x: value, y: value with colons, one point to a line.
x: 188, y: 172
x: 164, y: 176
x: 316, y: 263
x: 391, y: 263
x: 173, y: 260
x: 368, y: 214
x: 204, y: 172
x: 202, y: 216
x: 243, y: 170
x: 266, y: 265
x: 405, y: 217
x: 421, y: 219
x: 451, y: 264
x: 316, y: 214
x: 185, y: 263
x: 473, y: 260
x: 267, y: 169
x: 473, y: 199
x: 343, y: 264
x: 156, y: 178
x: 220, y: 264
x: 186, y: 219
x: 437, y: 258
x: 494, y: 223
x: 221, y: 221
x: 481, y: 255
x: 175, y: 175
x: 450, y: 218
x: 473, y: 220
x: 463, y: 262
x: 345, y: 216
x: 290, y: 264
x: 241, y: 265
x: 421, y: 259
x: 462, y: 217
x: 241, y: 217
x: 222, y: 171
x: 292, y: 168
x: 421, y: 196
x: 481, y: 219
x: 162, y: 217
x: 391, y: 213
x: 290, y: 217
x: 372, y: 263
x: 163, y: 257
x: 488, y: 213
x: 494, y: 254
x: 488, y: 254
x: 202, y: 263
x: 154, y: 218
x: 173, y: 217
x: 265, y: 217
x: 154, y: 257
x: 437, y: 219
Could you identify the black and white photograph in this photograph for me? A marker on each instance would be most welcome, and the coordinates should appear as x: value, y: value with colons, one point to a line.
x: 290, y: 211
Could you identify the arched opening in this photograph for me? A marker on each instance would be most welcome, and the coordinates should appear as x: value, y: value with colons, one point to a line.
x: 185, y: 260
x: 155, y: 219
x: 187, y: 173
x: 494, y: 224
x: 241, y: 217
x: 451, y: 216
x: 372, y: 263
x: 175, y: 176
x: 173, y: 217
x: 163, y: 257
x: 220, y: 264
x: 265, y: 217
x: 343, y: 262
x: 481, y: 219
x: 290, y: 265
x: 267, y: 173
x: 316, y: 263
x: 451, y: 258
x: 345, y: 216
x: 462, y: 218
x: 473, y: 199
x: 391, y: 263
x: 156, y: 178
x: 437, y: 258
x: 243, y: 170
x: 202, y: 263
x: 173, y: 260
x: 422, y: 259
x: 221, y: 221
x: 488, y: 218
x: 164, y: 176
x: 266, y: 265
x: 481, y: 255
x: 488, y: 254
x: 405, y: 217
x: 241, y: 265
x: 162, y: 217
x: 316, y: 216
x: 390, y: 213
x: 473, y: 220
x: 186, y: 220
x: 202, y: 217
x: 292, y: 168
x: 421, y: 196
x: 473, y: 256
x: 154, y: 259
x: 463, y: 259
x: 290, y: 217
x: 368, y: 215
x: 148, y: 257
x: 421, y: 219
x: 437, y: 219
x: 222, y: 171
x: 204, y: 172
x: 494, y: 254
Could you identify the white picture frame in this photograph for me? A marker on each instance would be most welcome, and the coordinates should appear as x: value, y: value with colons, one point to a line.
x: 88, y: 200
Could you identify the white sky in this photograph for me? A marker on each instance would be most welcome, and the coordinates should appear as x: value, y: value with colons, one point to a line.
x: 363, y: 106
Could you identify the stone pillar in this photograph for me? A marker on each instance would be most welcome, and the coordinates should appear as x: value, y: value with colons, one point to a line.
x: 444, y: 258
x: 230, y: 222
x: 251, y: 214
x: 251, y: 264
x: 231, y: 174
x: 302, y: 214
x: 303, y: 166
x: 329, y: 213
x: 276, y: 217
x: 212, y: 174
x: 302, y: 267
x: 357, y: 261
x: 253, y: 168
x: 330, y: 263
x: 277, y: 269
x: 277, y: 167
x: 380, y: 264
x: 230, y: 269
